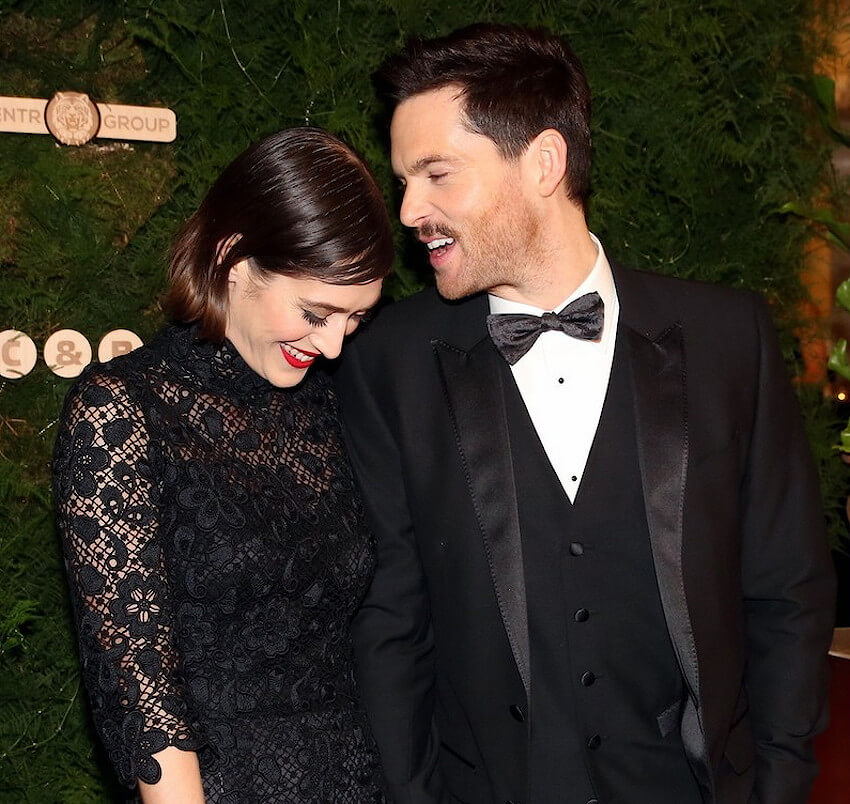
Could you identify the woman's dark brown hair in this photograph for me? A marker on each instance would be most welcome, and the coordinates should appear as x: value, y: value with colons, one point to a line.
x: 299, y: 203
x: 514, y: 83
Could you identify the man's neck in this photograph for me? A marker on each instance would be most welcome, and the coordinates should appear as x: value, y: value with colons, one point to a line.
x: 561, y: 266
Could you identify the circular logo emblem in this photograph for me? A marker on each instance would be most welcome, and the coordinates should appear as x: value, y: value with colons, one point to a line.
x: 72, y: 118
x: 67, y: 352
x: 17, y: 354
x: 117, y: 342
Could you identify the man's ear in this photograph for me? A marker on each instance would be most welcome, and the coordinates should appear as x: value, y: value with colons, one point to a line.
x: 549, y: 154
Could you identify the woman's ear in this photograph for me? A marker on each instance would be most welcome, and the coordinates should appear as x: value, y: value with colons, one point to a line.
x: 239, y: 275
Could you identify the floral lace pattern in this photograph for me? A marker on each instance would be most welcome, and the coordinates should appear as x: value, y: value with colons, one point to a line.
x: 216, y: 551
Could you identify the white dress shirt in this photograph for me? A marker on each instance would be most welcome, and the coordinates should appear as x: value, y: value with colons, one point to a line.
x: 563, y: 381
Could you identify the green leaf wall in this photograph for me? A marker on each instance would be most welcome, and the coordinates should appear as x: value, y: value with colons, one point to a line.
x: 699, y: 140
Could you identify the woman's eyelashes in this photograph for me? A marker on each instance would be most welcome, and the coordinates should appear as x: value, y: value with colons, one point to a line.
x: 313, y: 320
x: 319, y: 321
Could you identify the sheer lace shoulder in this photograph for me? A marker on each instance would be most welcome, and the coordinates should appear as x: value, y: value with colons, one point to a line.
x: 106, y: 486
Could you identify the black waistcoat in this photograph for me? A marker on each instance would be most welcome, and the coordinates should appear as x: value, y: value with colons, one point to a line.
x: 605, y: 685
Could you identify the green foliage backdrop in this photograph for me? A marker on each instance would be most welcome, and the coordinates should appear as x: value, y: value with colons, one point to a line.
x: 699, y: 138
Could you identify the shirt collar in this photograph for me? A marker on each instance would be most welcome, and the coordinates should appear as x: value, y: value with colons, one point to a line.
x: 600, y: 279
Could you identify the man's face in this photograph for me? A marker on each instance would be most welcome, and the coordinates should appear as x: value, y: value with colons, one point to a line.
x: 467, y: 203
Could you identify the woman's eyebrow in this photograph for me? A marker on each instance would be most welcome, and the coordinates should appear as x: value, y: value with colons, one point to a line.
x: 323, y: 306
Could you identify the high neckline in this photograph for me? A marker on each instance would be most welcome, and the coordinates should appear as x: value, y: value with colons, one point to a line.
x: 213, y: 366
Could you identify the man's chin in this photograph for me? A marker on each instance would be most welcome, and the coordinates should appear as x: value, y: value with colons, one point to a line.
x: 449, y: 294
x: 452, y: 291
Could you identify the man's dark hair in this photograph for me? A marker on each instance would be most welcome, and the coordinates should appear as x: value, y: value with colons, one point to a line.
x: 514, y: 82
x: 299, y: 203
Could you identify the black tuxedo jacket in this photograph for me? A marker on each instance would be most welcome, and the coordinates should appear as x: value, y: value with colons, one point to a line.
x: 735, y: 526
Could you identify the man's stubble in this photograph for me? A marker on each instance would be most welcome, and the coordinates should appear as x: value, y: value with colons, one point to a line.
x: 501, y: 247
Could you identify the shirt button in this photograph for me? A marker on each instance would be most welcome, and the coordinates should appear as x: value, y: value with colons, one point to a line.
x: 594, y: 742
x: 576, y: 548
x: 516, y: 713
x: 561, y: 380
x: 581, y: 615
x: 587, y: 679
x: 574, y: 478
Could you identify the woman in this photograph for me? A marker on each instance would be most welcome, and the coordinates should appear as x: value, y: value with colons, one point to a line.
x: 215, y: 545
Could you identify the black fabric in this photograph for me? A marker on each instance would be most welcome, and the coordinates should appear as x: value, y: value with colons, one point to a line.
x: 515, y: 333
x: 740, y: 557
x: 216, y: 551
x: 472, y: 383
x: 557, y: 765
x: 661, y: 406
x: 594, y: 705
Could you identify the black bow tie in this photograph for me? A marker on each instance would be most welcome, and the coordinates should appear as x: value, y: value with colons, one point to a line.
x: 515, y: 333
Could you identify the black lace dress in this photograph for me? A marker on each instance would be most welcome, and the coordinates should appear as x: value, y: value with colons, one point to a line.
x: 216, y: 551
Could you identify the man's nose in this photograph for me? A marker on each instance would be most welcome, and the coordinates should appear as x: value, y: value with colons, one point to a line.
x: 413, y: 207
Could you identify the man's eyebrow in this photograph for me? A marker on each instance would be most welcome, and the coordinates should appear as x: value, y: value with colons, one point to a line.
x: 425, y: 162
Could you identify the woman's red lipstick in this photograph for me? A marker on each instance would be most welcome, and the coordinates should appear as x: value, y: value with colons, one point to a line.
x: 295, y: 362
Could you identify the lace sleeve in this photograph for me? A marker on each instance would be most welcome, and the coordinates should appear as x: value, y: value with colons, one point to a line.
x: 106, y: 485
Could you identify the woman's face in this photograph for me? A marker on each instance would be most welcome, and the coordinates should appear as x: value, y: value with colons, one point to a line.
x: 280, y: 325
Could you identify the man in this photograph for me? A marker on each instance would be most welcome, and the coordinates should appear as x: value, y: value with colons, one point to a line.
x: 602, y: 574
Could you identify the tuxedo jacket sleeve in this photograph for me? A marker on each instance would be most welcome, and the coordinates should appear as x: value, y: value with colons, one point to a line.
x: 752, y: 566
x: 392, y: 630
x: 787, y: 584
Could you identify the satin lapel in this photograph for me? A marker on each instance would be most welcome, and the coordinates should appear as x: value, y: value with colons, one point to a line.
x: 658, y: 374
x: 473, y: 387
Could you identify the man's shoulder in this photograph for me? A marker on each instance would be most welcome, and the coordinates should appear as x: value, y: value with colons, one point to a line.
x: 683, y: 287
x: 685, y: 298
x: 427, y: 305
x: 425, y: 317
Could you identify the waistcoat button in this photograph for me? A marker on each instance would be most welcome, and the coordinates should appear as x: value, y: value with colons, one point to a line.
x: 581, y: 615
x: 587, y: 679
x: 576, y: 548
x: 594, y: 742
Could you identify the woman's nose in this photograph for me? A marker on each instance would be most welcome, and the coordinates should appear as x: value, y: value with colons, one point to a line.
x: 329, y: 339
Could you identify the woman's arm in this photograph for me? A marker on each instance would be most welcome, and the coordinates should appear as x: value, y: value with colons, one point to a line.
x: 180, y: 782
x: 107, y: 475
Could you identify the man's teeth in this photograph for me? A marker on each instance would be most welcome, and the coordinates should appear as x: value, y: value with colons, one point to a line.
x: 445, y: 241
